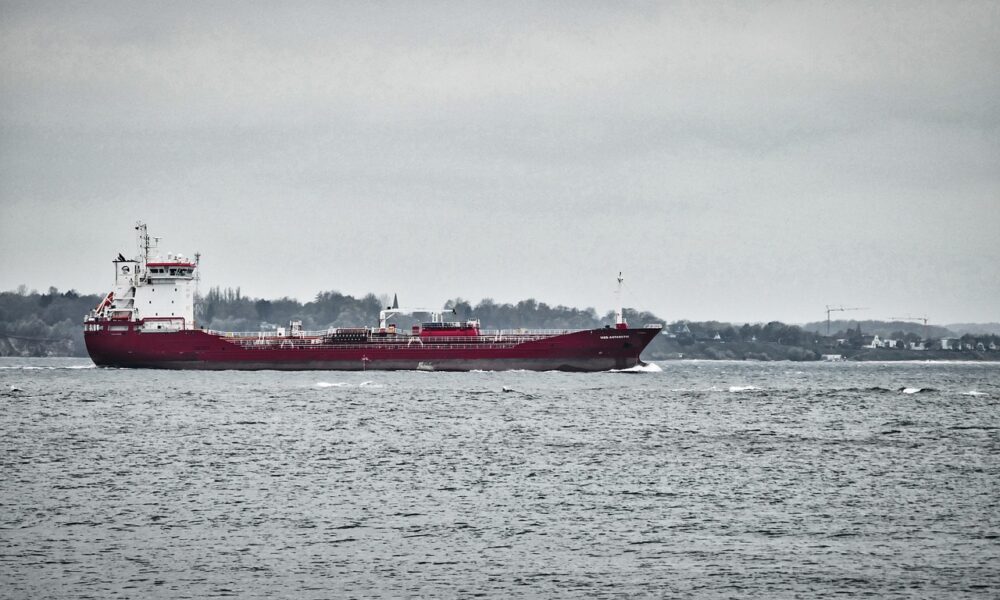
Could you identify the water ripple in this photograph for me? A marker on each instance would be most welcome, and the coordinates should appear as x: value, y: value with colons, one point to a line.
x: 750, y: 480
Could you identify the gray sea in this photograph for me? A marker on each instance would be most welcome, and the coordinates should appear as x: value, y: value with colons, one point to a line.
x: 692, y: 479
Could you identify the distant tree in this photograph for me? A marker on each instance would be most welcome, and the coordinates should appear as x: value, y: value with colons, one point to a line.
x: 463, y: 309
x: 263, y: 308
x: 47, y: 299
x: 750, y: 332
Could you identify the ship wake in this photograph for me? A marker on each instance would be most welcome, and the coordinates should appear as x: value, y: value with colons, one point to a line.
x: 641, y: 368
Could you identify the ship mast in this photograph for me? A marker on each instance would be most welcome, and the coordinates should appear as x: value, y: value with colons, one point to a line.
x: 143, y: 240
x: 620, y: 310
x: 146, y: 243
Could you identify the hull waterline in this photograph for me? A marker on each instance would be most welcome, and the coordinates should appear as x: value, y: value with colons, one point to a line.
x: 588, y: 350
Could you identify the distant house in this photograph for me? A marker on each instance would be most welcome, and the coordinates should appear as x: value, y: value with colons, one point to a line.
x: 871, y: 341
x: 948, y: 343
x: 917, y: 346
x: 889, y: 343
x: 992, y: 346
x: 980, y: 347
x: 675, y: 329
x: 717, y: 336
x: 680, y: 329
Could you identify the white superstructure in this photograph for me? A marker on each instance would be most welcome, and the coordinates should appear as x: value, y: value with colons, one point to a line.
x: 156, y: 290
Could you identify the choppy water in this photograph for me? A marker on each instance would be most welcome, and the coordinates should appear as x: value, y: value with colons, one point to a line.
x: 705, y: 479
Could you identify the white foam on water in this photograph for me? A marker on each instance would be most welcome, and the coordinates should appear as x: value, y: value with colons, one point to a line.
x: 912, y: 390
x: 327, y: 384
x: 499, y: 371
x: 370, y: 384
x: 974, y: 393
x: 33, y: 368
x: 646, y: 368
x: 742, y: 388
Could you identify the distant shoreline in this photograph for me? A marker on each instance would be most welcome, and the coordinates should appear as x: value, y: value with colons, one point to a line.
x: 50, y: 324
x: 964, y: 361
x: 773, y: 351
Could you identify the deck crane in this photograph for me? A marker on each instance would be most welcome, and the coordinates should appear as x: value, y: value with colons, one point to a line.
x: 911, y: 318
x: 391, y: 311
x: 830, y: 309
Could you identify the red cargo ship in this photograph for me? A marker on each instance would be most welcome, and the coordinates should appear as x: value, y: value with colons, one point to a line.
x: 147, y: 321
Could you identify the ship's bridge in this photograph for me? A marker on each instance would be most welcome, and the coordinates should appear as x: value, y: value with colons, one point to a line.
x: 173, y: 267
x: 164, y: 298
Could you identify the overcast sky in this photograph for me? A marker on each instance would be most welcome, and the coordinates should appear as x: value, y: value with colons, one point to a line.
x: 738, y: 161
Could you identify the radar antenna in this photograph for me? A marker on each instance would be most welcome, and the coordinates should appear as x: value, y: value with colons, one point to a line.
x: 142, y: 236
x: 146, y: 243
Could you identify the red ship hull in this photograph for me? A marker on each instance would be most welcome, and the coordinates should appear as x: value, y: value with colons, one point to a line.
x: 588, y: 350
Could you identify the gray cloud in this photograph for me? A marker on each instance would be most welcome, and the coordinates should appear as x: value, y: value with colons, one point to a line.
x: 738, y: 161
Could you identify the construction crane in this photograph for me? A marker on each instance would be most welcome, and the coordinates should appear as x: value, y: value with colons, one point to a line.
x: 924, y: 319
x: 830, y: 309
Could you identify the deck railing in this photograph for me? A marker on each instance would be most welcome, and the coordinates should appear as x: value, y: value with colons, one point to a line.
x: 399, y: 337
x: 313, y: 340
x: 288, y: 345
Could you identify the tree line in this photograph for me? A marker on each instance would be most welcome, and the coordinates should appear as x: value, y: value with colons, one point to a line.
x: 50, y: 323
x: 43, y: 324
